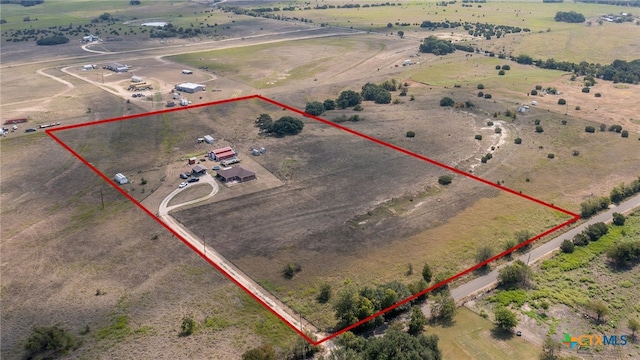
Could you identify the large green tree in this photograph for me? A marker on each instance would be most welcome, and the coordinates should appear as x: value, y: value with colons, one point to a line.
x: 286, y: 125
x: 346, y: 306
x: 436, y: 46
x: 483, y: 254
x: 505, y: 319
x: 443, y: 308
x: 398, y: 345
x: 514, y: 275
x: 315, y: 108
x: 348, y: 98
x: 418, y: 321
x: 264, y: 122
x: 376, y: 93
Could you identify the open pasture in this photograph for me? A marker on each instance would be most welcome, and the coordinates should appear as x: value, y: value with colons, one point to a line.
x: 346, y: 205
x: 59, y: 244
x: 547, y: 38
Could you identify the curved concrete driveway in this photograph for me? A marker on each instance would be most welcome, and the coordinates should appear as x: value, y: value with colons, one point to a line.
x: 163, y: 210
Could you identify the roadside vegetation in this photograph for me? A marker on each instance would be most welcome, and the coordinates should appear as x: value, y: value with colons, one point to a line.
x: 596, y: 280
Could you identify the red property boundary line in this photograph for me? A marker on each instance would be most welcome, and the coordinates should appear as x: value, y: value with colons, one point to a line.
x: 574, y: 217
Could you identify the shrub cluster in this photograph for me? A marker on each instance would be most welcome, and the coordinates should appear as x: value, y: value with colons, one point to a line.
x: 569, y: 16
x: 592, y: 233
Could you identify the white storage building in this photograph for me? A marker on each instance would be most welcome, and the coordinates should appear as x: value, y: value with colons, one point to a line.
x: 190, y: 87
x: 120, y: 179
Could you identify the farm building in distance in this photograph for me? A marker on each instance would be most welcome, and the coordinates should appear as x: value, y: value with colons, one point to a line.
x: 120, y: 179
x: 15, y: 121
x: 117, y: 67
x: 237, y: 173
x: 137, y: 79
x: 208, y: 139
x: 198, y: 170
x: 222, y: 153
x: 90, y: 38
x: 190, y: 87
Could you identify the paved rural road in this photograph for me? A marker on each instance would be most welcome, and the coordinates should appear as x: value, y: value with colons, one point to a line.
x: 232, y: 271
x: 466, y: 291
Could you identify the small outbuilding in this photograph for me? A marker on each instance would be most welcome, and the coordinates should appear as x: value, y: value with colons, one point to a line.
x: 190, y: 87
x: 117, y: 67
x: 120, y: 179
x: 198, y: 170
x: 208, y: 139
x: 137, y: 79
x: 192, y: 160
x: 236, y: 173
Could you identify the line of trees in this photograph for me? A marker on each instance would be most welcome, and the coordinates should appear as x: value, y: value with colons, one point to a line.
x: 394, y: 344
x: 634, y: 3
x: 22, y: 2
x: 476, y: 29
x: 618, y: 71
x: 352, y: 305
x: 592, y: 233
x: 433, y: 45
x: 619, y: 193
x: 53, y: 40
x: 378, y: 93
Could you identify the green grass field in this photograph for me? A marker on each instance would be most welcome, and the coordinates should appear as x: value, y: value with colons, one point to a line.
x: 547, y: 39
x: 574, y: 279
x: 77, y: 12
x: 480, y: 69
x: 268, y: 65
x: 470, y: 338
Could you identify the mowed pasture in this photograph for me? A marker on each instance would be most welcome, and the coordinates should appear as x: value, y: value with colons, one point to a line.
x: 62, y: 13
x: 471, y: 337
x: 349, y: 209
x: 276, y: 65
x: 547, y: 38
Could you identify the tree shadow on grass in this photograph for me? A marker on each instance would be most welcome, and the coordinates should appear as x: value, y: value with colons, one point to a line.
x: 444, y: 322
x: 501, y: 334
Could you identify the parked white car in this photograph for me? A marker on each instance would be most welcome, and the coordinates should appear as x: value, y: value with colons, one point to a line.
x: 182, y: 184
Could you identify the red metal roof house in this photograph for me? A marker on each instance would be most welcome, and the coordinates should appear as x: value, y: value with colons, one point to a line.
x: 222, y: 153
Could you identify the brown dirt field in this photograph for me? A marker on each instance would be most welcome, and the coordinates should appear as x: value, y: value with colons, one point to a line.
x: 614, y: 107
x: 54, y: 257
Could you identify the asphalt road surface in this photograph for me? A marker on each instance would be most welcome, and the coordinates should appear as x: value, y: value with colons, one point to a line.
x: 483, y: 283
